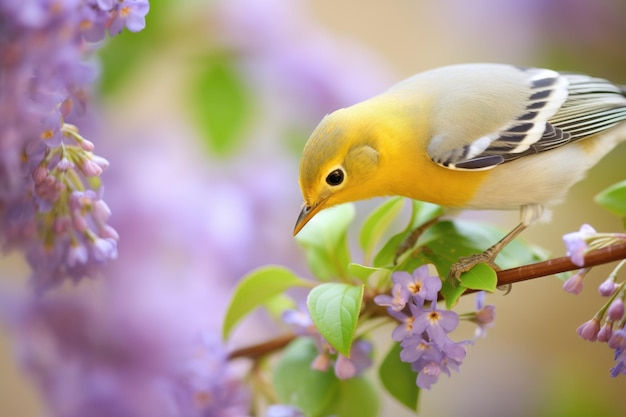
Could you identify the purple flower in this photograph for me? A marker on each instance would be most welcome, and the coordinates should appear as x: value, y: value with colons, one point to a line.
x: 414, y: 347
x: 574, y: 284
x: 45, y: 161
x: 620, y: 367
x: 129, y: 13
x: 360, y: 360
x: 605, y: 333
x: 300, y: 320
x: 484, y: 316
x: 421, y: 285
x: 283, y: 410
x: 589, y: 329
x: 607, y: 287
x: 576, y: 244
x: 436, y: 324
x: 405, y: 328
x: 615, y: 312
x: 396, y: 301
x: 618, y: 340
x: 429, y: 360
x: 423, y: 331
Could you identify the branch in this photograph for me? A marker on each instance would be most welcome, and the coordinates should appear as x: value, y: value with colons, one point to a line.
x: 558, y: 265
x: 262, y: 349
x: 505, y: 277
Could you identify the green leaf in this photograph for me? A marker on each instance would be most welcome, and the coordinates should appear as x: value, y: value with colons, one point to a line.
x: 258, y: 287
x: 481, y: 277
x: 296, y: 383
x: 399, y: 379
x: 377, y: 223
x: 355, y: 397
x: 445, y: 242
x: 123, y: 55
x: 335, y: 309
x: 421, y: 213
x: 220, y: 104
x: 325, y: 242
x: 614, y: 199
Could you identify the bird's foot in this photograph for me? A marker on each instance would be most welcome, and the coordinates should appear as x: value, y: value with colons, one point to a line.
x: 466, y: 263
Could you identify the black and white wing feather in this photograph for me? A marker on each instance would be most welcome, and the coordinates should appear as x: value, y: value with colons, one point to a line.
x: 559, y: 108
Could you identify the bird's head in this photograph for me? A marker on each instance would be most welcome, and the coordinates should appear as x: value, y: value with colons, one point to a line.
x: 337, y: 166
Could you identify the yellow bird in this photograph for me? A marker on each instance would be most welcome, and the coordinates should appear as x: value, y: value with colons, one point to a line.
x: 473, y: 136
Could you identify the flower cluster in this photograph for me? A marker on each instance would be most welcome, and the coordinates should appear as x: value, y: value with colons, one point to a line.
x: 580, y: 243
x: 50, y: 193
x: 423, y: 330
x: 608, y: 324
x: 360, y: 353
x: 139, y: 353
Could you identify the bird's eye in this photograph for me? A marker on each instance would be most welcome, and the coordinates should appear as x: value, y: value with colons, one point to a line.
x: 335, y: 177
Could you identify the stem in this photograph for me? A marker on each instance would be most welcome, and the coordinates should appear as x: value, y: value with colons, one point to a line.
x: 505, y: 277
x: 262, y: 349
x: 558, y: 265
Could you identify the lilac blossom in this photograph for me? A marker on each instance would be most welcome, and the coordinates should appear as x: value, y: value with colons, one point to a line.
x: 138, y: 349
x: 397, y: 300
x: 608, y: 286
x: 283, y: 410
x: 45, y: 163
x: 589, y: 329
x: 436, y: 324
x: 483, y: 317
x: 576, y: 243
x: 297, y: 59
x: 615, y: 312
x: 423, y: 329
x: 580, y: 243
x: 607, y: 325
x: 421, y: 285
x: 574, y: 284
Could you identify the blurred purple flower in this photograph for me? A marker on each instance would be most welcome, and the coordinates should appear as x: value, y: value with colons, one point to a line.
x: 360, y: 353
x: 576, y: 243
x: 45, y: 164
x: 359, y: 361
x: 283, y: 410
x: 483, y: 317
x: 589, y: 329
x: 140, y: 347
x: 574, y: 284
x: 127, y: 13
x: 608, y: 286
x: 615, y: 312
x: 282, y: 47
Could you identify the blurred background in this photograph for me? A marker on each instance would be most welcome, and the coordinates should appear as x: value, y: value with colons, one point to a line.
x: 203, y: 116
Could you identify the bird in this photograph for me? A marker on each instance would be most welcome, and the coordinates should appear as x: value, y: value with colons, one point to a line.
x: 479, y: 136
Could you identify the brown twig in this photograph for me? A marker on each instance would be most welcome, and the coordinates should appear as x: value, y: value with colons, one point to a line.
x: 505, y: 277
x: 558, y: 265
x: 262, y: 349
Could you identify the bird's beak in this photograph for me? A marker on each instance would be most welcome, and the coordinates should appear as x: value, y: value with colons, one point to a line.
x: 305, y: 215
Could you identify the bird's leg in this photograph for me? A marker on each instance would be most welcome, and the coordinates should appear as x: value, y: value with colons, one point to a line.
x: 464, y: 264
x: 529, y: 214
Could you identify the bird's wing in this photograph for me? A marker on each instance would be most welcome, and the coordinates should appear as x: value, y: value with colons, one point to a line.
x: 536, y: 110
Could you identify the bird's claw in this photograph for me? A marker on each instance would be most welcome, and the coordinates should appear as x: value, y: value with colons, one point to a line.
x: 466, y: 263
